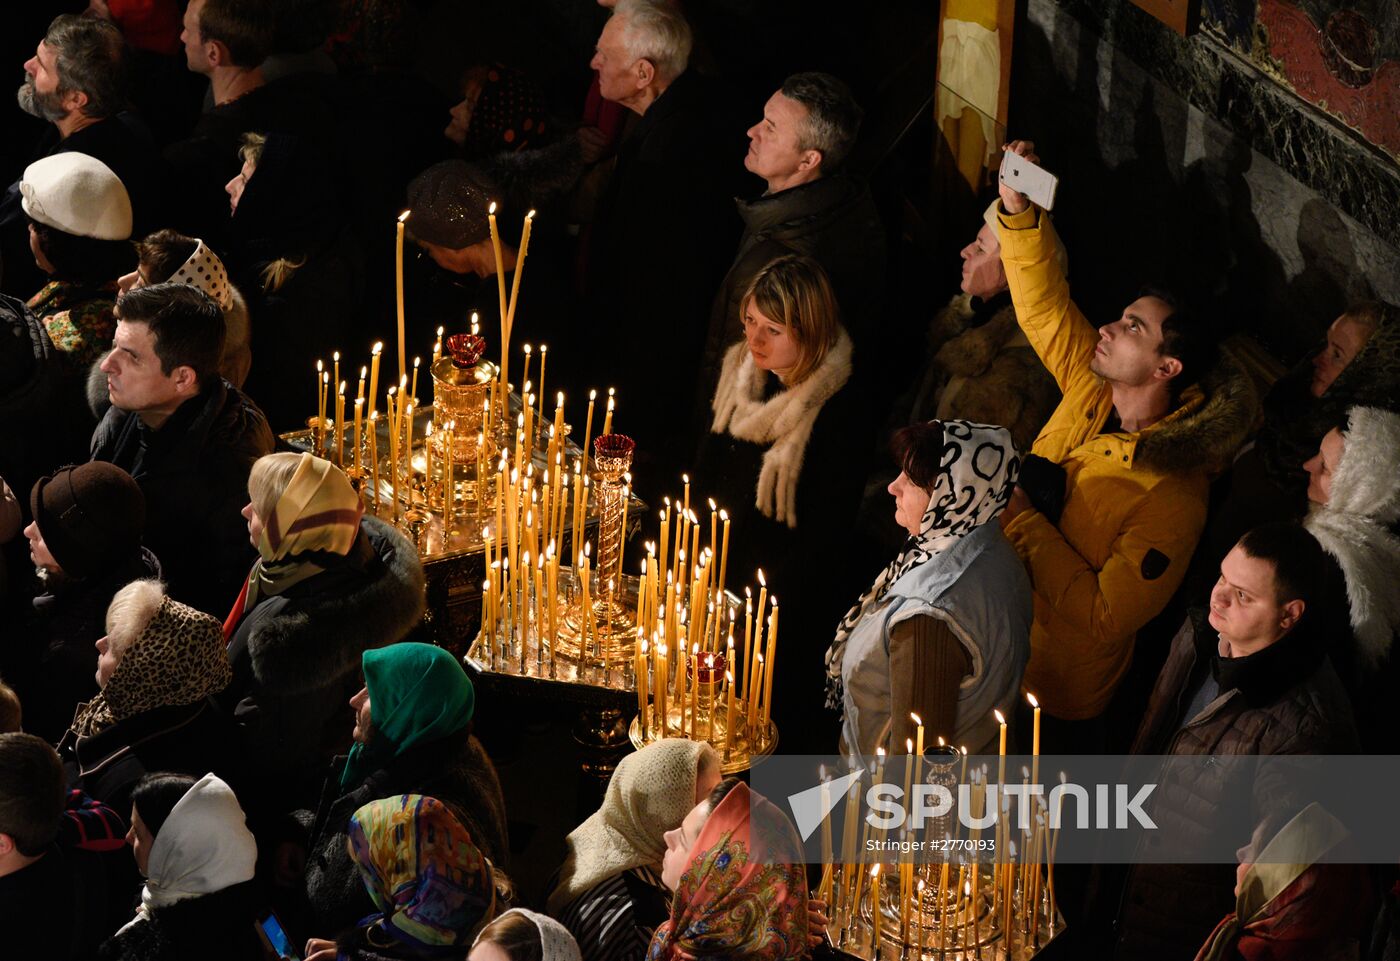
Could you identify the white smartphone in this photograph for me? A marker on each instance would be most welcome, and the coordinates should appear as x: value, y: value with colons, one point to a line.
x: 1037, y: 183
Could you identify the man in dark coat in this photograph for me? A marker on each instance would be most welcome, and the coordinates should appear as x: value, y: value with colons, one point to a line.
x: 85, y: 541
x: 810, y: 206
x: 187, y: 437
x: 1257, y: 682
x: 76, y: 80
x: 663, y: 231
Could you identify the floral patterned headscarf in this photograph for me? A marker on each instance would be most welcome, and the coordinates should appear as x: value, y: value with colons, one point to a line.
x: 430, y: 884
x: 744, y: 894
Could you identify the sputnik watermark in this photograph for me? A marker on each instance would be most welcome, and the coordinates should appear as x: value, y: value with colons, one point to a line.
x: 1112, y: 806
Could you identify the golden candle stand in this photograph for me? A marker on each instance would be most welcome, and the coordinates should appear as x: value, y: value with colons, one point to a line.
x: 941, y: 924
x: 453, y: 556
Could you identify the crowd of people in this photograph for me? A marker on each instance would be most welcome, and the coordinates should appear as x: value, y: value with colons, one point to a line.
x: 212, y: 655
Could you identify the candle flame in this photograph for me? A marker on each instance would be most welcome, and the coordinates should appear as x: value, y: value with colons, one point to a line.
x: 723, y: 515
x: 921, y: 885
x: 967, y: 888
x: 402, y: 217
x: 1000, y: 718
x: 964, y: 750
x: 378, y: 347
x: 592, y: 396
x: 875, y: 871
x: 320, y: 366
x: 761, y: 581
x: 916, y: 719
x: 941, y: 742
x: 748, y: 594
x: 530, y: 215
x: 908, y: 745
x: 417, y: 361
x: 879, y: 751
x: 492, y: 208
x: 1031, y: 697
x: 713, y: 505
x: 336, y: 356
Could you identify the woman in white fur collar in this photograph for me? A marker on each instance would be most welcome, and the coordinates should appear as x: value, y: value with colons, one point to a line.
x: 795, y: 355
x: 786, y: 456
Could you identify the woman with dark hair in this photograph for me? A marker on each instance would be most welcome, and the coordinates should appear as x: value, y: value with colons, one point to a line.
x: 785, y: 452
x: 168, y: 255
x: 740, y: 886
x: 945, y: 629
x: 191, y: 842
x: 524, y: 935
x: 79, y: 219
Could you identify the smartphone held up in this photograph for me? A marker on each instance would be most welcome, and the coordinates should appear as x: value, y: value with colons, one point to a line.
x: 1035, y: 182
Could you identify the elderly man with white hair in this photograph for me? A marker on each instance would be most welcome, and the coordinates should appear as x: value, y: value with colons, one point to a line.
x: 665, y: 225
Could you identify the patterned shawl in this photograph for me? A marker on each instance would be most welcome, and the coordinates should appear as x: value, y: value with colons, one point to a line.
x: 318, y: 514
x: 744, y: 895
x: 976, y: 476
x: 179, y: 658
x: 430, y: 884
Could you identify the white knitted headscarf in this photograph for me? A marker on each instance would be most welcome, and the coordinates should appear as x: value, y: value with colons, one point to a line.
x: 649, y: 794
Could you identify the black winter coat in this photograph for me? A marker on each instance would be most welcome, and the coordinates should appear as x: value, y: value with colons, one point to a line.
x: 833, y: 220
x: 801, y: 564
x: 194, y: 473
x: 218, y: 926
x: 296, y: 661
x: 664, y: 229
x: 1285, y: 699
x: 453, y: 769
x: 189, y: 739
x: 55, y: 671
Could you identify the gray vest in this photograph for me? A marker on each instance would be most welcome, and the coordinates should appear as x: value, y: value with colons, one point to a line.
x: 979, y: 588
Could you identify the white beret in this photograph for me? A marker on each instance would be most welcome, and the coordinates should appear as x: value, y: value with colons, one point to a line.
x: 78, y: 195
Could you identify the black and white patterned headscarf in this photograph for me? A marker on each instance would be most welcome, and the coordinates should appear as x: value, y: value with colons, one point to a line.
x: 976, y: 475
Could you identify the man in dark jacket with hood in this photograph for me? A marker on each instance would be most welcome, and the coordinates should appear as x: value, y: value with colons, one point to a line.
x: 187, y: 437
x: 1255, y: 682
x: 810, y: 206
x: 85, y: 541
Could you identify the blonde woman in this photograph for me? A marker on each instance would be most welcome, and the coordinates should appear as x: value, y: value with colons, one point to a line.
x: 786, y: 457
x: 329, y: 583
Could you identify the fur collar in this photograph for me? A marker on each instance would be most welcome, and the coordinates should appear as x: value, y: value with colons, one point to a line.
x: 782, y: 423
x: 1206, y: 430
x: 302, y: 644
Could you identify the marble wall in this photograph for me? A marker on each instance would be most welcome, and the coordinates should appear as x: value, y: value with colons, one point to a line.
x: 1181, y: 162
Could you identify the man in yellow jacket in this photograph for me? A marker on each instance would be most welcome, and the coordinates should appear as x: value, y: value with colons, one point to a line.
x: 1136, y: 445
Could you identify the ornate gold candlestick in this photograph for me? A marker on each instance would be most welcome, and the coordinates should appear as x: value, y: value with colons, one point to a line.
x: 615, y: 622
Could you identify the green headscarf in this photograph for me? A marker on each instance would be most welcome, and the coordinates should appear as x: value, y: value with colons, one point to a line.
x: 417, y: 693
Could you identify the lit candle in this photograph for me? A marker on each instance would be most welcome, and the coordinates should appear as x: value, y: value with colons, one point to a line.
x: 360, y: 394
x: 374, y: 354
x: 772, y: 661
x: 1035, y: 739
x: 639, y: 675
x: 539, y: 388
x: 723, y: 554
x: 359, y: 422
x: 588, y: 427
x: 607, y: 417
x: 919, y: 920
x: 413, y: 391
x: 335, y: 357
x: 501, y: 288
x: 398, y: 271
x: 340, y: 423
x: 320, y: 395
x: 437, y: 344
x: 729, y: 728
x: 428, y: 469
x: 748, y: 641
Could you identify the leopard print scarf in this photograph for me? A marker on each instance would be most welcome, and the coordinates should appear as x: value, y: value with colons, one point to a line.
x: 179, y: 658
x: 977, y: 474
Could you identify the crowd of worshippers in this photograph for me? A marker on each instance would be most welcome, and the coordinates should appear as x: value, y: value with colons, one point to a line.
x: 210, y: 651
